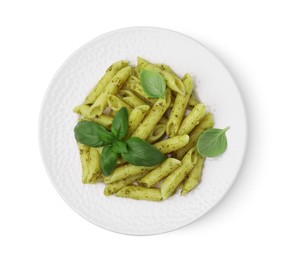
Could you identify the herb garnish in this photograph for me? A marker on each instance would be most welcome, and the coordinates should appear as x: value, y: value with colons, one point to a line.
x: 135, y: 150
x: 212, y: 142
x: 153, y: 83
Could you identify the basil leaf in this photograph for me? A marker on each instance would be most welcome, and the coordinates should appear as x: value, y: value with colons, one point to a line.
x: 120, y: 147
x: 212, y: 142
x: 142, y: 153
x: 108, y: 160
x: 153, y: 83
x: 120, y: 124
x: 92, y: 134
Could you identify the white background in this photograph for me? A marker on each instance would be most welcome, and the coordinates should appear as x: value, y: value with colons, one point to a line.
x: 256, y: 40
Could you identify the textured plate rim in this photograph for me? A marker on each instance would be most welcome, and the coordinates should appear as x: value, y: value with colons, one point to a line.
x: 121, y: 30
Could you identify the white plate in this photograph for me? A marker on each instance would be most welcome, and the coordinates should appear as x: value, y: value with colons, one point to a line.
x: 75, y: 79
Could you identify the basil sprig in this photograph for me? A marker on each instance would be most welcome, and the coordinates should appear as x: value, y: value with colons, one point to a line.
x: 153, y: 83
x: 212, y: 142
x: 134, y: 150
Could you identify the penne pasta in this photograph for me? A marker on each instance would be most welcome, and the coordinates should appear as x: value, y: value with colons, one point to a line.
x: 159, y: 173
x: 165, y: 67
x: 169, y: 70
x: 81, y: 109
x: 130, y: 98
x: 192, y: 101
x: 96, y: 179
x: 194, y: 177
x: 173, y: 82
x: 206, y: 123
x: 140, y: 193
x: 84, y: 159
x: 179, y: 107
x: 172, y: 182
x: 126, y: 171
x: 172, y: 144
x: 118, y: 185
x: 116, y: 103
x: 136, y: 117
x: 156, y: 133
x: 90, y: 162
x: 192, y: 119
x: 153, y: 116
x: 100, y: 86
x: 142, y: 63
x: 112, y: 87
x: 103, y: 120
x: 93, y: 165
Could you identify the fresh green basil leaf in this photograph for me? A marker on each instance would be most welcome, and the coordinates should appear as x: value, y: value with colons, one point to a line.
x: 120, y: 147
x: 120, y: 124
x: 108, y: 160
x: 212, y: 142
x: 92, y: 134
x: 153, y: 83
x: 142, y: 153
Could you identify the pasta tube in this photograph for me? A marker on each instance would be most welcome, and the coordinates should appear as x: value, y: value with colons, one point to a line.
x: 172, y: 182
x: 136, y: 117
x: 81, y: 109
x: 170, y: 77
x: 192, y: 119
x: 126, y: 171
x: 172, y: 144
x: 93, y: 165
x: 142, y: 63
x: 130, y: 98
x: 112, y: 87
x: 118, y: 185
x: 103, y: 120
x: 153, y: 116
x: 156, y: 133
x: 100, y: 86
x: 165, y: 67
x: 179, y: 107
x: 159, y: 173
x: 174, y: 83
x: 140, y: 193
x: 169, y: 70
x: 96, y: 179
x: 84, y: 158
x: 116, y: 103
x: 192, y: 101
x: 206, y: 123
x: 194, y: 177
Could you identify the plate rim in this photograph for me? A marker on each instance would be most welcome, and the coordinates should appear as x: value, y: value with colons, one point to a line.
x: 240, y: 164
